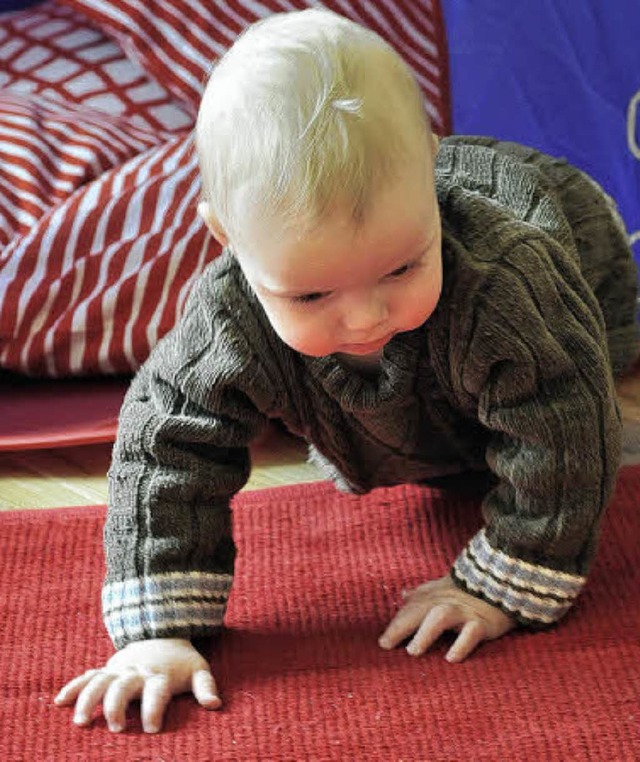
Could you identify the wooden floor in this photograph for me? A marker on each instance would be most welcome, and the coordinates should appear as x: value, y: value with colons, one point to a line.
x: 77, y: 475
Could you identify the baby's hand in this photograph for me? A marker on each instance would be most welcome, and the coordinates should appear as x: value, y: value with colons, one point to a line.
x: 431, y: 609
x: 151, y: 670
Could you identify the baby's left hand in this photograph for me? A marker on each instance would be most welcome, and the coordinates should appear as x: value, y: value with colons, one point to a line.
x: 437, y: 606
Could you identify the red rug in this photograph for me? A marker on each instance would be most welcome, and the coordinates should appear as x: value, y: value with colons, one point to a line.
x: 319, y: 574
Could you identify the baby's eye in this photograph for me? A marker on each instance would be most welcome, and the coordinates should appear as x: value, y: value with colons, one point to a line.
x: 402, y: 270
x: 308, y: 298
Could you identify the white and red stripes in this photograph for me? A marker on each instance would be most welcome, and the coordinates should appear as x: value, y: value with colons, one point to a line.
x: 48, y: 150
x: 176, y: 40
x: 105, y: 274
x: 100, y: 240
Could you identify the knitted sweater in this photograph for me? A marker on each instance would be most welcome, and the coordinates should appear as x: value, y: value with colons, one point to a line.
x: 512, y: 374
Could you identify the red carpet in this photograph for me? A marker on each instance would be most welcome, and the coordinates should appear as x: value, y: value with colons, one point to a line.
x: 318, y: 577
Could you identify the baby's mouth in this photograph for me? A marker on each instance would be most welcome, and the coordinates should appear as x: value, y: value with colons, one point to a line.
x: 367, y: 347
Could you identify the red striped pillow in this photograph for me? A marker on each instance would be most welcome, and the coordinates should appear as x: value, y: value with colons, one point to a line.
x: 104, y: 275
x: 98, y: 186
x: 176, y: 40
x: 102, y: 238
x: 60, y: 78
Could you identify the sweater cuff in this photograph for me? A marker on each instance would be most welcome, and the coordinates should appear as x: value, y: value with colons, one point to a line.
x: 172, y: 605
x: 534, y: 595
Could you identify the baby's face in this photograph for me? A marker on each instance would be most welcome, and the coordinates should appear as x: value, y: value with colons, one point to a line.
x: 345, y: 290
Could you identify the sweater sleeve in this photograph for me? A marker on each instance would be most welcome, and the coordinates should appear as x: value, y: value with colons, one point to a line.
x: 536, y: 364
x: 180, y: 455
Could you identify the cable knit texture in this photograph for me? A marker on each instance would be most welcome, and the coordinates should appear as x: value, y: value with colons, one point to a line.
x: 512, y: 374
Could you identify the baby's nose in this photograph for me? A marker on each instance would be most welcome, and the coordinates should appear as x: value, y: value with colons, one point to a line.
x: 364, y: 311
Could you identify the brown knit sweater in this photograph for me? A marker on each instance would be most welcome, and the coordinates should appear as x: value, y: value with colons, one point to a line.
x: 512, y: 374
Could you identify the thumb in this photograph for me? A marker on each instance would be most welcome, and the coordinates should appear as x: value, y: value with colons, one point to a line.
x: 205, y: 690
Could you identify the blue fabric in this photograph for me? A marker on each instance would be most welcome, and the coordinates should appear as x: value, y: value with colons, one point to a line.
x: 16, y: 5
x: 558, y: 75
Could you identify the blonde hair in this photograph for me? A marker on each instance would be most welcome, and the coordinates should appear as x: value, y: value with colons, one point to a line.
x: 306, y: 110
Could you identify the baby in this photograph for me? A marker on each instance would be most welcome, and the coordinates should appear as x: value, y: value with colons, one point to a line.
x: 449, y: 314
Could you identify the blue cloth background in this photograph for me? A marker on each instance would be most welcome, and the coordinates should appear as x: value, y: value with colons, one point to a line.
x: 16, y: 5
x: 562, y: 76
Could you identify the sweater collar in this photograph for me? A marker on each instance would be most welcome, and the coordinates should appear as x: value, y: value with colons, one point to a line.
x: 354, y: 390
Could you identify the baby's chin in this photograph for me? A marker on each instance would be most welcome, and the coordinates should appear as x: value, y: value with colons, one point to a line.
x: 344, y: 352
x: 371, y: 350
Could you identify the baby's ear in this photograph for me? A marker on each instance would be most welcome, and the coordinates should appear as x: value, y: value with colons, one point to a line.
x: 210, y: 220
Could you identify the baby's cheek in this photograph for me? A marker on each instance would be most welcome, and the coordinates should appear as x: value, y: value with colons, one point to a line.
x: 303, y: 333
x: 421, y: 302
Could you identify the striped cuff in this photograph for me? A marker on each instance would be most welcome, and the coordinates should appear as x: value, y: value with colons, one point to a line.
x: 533, y: 594
x: 165, y: 605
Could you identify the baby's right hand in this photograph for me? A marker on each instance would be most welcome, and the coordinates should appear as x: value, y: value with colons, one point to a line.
x: 151, y: 670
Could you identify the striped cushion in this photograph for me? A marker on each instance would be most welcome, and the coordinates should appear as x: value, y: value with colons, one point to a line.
x: 98, y: 179
x: 176, y: 40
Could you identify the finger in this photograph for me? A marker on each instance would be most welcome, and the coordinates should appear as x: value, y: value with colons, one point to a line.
x: 470, y: 637
x: 69, y: 692
x: 436, y: 622
x: 205, y: 689
x: 156, y: 695
x: 90, y: 697
x: 405, y: 622
x: 117, y: 698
